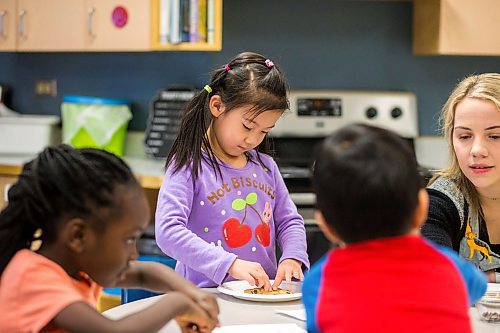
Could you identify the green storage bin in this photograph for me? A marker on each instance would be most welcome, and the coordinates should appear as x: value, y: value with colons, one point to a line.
x: 95, y: 122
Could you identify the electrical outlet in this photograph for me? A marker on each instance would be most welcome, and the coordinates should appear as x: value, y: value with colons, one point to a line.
x: 46, y: 88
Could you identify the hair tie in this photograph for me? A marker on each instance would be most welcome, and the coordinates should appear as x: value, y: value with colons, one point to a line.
x: 207, y: 88
x: 226, y: 67
x: 269, y: 63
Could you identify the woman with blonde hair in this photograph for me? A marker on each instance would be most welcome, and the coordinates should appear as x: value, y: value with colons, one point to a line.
x: 464, y: 211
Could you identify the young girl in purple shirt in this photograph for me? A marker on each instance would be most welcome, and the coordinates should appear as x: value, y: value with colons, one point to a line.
x: 223, y: 205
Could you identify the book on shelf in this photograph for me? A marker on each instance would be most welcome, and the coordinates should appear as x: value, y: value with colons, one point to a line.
x: 193, y: 21
x: 202, y: 20
x: 182, y: 21
x: 210, y: 21
x: 175, y: 22
x: 164, y: 21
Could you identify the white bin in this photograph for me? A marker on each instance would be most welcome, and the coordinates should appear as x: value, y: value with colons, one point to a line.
x: 28, y: 134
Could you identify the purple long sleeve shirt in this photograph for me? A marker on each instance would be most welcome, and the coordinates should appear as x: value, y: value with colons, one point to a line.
x: 205, y: 224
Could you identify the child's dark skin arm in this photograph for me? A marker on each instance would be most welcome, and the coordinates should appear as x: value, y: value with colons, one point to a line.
x: 80, y: 317
x: 160, y: 278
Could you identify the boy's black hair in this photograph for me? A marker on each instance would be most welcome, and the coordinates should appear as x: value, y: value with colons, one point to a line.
x: 246, y: 80
x: 61, y: 183
x: 366, y: 183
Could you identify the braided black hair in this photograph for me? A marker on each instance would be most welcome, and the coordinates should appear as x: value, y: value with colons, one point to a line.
x: 60, y: 183
x: 248, y: 79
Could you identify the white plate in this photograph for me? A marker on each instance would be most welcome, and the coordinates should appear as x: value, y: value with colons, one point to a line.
x: 237, y: 289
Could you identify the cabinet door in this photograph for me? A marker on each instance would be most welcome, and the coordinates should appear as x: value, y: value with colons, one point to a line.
x: 118, y: 25
x: 456, y: 27
x: 50, y: 25
x: 7, y: 25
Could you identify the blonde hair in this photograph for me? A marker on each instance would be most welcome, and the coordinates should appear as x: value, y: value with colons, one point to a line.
x: 482, y: 86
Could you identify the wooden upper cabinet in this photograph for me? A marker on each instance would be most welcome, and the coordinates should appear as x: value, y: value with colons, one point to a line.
x: 50, y: 25
x: 456, y: 27
x: 118, y: 25
x: 7, y: 25
x: 99, y: 25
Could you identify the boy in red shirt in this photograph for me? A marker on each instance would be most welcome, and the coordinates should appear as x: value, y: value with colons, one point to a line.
x: 384, y: 276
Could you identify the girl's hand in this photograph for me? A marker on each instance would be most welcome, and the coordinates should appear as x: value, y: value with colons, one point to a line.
x: 250, y: 271
x: 206, y: 301
x: 286, y: 270
x: 195, y: 319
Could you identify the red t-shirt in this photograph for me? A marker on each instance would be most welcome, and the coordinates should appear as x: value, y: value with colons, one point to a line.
x: 34, y: 289
x: 400, y: 284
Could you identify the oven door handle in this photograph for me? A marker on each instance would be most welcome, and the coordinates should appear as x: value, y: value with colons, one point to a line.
x: 303, y: 199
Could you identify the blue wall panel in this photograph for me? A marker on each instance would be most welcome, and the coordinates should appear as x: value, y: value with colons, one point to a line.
x: 320, y: 44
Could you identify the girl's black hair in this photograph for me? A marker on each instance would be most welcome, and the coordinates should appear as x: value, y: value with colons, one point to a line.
x: 246, y: 80
x: 60, y: 183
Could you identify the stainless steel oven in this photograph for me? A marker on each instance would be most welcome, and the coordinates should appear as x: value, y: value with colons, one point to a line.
x: 313, y: 115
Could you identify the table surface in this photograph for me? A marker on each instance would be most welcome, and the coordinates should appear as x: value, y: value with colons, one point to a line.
x: 234, y: 311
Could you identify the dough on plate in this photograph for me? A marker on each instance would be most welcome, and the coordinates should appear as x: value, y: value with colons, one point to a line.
x: 261, y: 291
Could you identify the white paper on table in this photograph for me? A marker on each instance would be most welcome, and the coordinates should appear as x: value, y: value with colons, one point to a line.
x: 297, y: 314
x: 261, y: 328
x: 493, y: 287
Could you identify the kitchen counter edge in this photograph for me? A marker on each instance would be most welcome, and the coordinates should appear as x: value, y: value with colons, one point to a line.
x: 149, y: 172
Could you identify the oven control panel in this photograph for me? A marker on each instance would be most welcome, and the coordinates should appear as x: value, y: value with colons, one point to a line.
x: 324, y: 107
x: 317, y: 113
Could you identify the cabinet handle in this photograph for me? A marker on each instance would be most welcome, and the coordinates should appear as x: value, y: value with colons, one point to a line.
x: 22, y: 13
x: 3, y: 13
x: 90, y: 18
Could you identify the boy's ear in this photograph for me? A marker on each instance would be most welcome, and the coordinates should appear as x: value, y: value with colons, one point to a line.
x: 215, y: 105
x: 325, y: 228
x: 420, y: 215
x: 76, y: 235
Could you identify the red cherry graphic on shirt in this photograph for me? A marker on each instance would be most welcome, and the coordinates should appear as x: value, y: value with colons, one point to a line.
x: 263, y: 234
x: 236, y: 234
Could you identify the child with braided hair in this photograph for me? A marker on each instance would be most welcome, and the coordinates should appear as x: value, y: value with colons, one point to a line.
x: 223, y: 205
x: 85, y: 211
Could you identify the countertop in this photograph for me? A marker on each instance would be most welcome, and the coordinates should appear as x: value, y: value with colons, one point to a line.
x: 431, y: 152
x: 148, y: 171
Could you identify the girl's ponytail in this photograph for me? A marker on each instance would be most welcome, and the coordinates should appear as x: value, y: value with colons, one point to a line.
x: 191, y: 138
x: 21, y: 218
x: 16, y: 233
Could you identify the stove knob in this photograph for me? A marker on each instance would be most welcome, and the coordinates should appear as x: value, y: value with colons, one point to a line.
x: 371, y: 112
x: 396, y: 112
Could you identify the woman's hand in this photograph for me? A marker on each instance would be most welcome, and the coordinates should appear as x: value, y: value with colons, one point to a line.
x: 250, y: 271
x: 491, y: 276
x: 287, y: 269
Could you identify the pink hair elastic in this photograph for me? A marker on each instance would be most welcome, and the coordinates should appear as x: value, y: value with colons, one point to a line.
x: 226, y: 67
x: 269, y: 63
